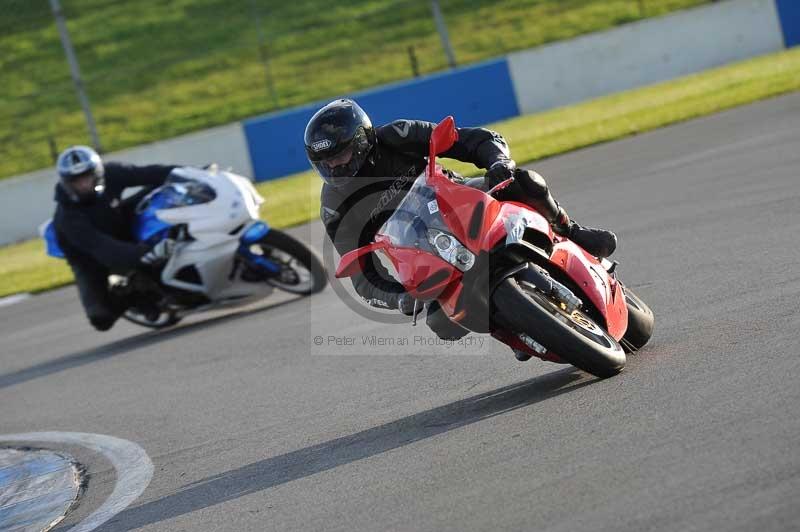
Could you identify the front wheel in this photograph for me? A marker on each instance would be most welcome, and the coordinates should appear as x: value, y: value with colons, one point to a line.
x: 301, y: 272
x: 574, y: 336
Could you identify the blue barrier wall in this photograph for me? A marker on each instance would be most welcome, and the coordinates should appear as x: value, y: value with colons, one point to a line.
x: 474, y: 95
x: 789, y: 14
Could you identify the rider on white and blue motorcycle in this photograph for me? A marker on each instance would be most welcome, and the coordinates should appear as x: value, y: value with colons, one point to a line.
x: 93, y: 228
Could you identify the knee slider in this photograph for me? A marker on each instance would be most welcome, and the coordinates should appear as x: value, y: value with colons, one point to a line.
x: 102, y: 323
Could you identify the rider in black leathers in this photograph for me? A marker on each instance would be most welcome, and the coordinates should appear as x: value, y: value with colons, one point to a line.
x: 367, y: 171
x: 93, y: 227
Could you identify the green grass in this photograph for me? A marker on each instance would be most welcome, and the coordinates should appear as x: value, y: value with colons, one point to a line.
x: 293, y: 200
x: 155, y: 69
x: 26, y: 268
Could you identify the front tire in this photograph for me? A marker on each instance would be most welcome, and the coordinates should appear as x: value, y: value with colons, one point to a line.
x: 574, y: 337
x: 302, y: 269
x: 640, y: 322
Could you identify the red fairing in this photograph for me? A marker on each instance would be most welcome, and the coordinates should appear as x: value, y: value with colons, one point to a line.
x: 352, y: 262
x: 495, y: 229
x: 424, y: 275
x: 601, y: 288
x: 458, y: 204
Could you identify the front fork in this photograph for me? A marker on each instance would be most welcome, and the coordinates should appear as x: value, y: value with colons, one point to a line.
x: 537, y: 277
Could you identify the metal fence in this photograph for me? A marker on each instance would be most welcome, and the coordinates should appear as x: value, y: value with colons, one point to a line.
x: 153, y: 69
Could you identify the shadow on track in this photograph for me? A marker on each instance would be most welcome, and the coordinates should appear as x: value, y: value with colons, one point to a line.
x: 120, y: 347
x: 325, y: 456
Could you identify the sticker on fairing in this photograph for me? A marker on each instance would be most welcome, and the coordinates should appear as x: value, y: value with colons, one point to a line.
x: 433, y: 207
x: 515, y: 226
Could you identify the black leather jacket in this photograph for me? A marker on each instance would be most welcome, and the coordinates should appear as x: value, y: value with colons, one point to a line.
x: 352, y: 214
x: 96, y: 235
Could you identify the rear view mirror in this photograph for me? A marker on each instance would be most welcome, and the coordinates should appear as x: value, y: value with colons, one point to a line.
x: 442, y: 139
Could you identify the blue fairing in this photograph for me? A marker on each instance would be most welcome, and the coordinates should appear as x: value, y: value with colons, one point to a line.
x: 146, y: 228
x: 177, y: 191
x: 146, y: 225
x: 254, y: 233
x: 53, y: 249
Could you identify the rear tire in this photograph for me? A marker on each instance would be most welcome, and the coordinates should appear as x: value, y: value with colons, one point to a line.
x: 165, y: 319
x: 576, y: 338
x: 640, y: 322
x: 291, y: 253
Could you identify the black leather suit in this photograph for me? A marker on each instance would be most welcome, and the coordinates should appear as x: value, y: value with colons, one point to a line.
x: 95, y: 236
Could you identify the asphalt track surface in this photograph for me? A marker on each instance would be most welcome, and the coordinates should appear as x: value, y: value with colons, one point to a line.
x: 252, y: 427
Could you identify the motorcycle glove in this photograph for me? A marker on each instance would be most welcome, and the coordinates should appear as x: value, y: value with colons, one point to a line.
x: 499, y: 172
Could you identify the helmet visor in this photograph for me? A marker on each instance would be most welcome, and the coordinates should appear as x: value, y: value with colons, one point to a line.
x: 338, y: 169
x: 83, y: 186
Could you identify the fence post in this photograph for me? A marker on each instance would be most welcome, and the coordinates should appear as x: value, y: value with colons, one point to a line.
x: 262, y: 50
x: 51, y: 143
x: 412, y: 57
x: 76, y: 73
x: 442, y: 27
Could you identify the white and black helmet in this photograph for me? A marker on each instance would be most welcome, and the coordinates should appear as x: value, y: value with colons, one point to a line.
x: 77, y: 162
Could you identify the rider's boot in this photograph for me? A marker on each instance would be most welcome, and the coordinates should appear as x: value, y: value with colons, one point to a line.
x: 597, y: 242
x: 151, y: 311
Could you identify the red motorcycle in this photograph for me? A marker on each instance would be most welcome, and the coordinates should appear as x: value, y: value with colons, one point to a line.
x: 497, y: 267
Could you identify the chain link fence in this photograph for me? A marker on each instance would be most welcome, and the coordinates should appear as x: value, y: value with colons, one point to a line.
x: 154, y: 69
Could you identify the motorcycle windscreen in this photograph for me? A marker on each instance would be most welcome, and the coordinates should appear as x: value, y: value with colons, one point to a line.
x: 417, y: 225
x: 416, y: 219
x: 177, y: 191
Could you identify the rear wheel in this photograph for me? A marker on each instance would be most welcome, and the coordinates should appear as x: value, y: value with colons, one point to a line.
x: 640, y: 322
x: 301, y: 272
x: 574, y: 336
x: 164, y: 320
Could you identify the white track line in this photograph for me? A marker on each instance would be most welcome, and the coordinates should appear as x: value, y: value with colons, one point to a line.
x: 10, y: 300
x: 133, y: 466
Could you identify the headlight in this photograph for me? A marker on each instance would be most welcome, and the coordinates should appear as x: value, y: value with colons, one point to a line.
x: 451, y: 250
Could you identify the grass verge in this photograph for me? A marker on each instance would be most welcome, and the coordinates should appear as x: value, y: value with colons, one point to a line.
x: 155, y: 69
x: 295, y: 199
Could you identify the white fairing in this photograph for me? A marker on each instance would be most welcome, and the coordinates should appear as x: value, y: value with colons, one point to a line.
x: 215, y: 227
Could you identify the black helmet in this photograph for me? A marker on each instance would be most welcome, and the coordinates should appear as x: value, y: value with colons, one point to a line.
x: 78, y: 162
x: 338, y: 139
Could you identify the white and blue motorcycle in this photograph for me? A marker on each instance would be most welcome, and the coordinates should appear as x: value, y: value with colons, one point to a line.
x: 224, y: 255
